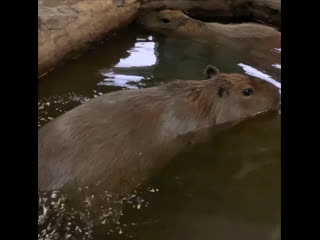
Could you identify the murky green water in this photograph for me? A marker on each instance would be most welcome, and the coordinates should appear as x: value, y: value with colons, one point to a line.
x: 228, y: 188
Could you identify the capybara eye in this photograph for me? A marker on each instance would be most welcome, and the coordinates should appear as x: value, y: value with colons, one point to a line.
x: 247, y: 92
x: 165, y: 20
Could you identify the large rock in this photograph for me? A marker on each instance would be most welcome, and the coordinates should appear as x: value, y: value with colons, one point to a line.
x: 68, y: 26
x: 267, y: 11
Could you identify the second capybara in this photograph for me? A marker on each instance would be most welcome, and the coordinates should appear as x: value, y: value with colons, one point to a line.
x: 122, y: 138
x: 176, y: 23
x: 259, y: 43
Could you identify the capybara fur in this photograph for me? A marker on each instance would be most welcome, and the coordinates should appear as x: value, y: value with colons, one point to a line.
x: 122, y: 138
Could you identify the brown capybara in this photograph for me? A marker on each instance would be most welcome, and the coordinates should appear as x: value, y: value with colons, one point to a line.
x: 176, y: 23
x: 267, y: 11
x: 121, y: 138
x: 259, y: 42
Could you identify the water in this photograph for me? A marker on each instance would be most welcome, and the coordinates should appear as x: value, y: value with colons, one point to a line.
x: 228, y: 188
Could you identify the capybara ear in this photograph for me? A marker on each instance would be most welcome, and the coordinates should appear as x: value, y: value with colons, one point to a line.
x: 223, y: 91
x: 211, y: 71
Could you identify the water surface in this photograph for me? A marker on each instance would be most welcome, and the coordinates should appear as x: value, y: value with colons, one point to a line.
x: 227, y: 188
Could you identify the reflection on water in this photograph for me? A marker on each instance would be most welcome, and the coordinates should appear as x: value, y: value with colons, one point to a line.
x: 121, y: 80
x: 228, y: 188
x: 57, y: 219
x: 53, y: 106
x: 277, y: 66
x: 142, y: 55
x: 256, y: 73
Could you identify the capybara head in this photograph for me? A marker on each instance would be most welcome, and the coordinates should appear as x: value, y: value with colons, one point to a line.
x: 236, y: 96
x: 169, y: 22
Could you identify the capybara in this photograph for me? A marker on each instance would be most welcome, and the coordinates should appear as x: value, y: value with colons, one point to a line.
x: 121, y: 138
x: 176, y: 23
x: 267, y: 11
x: 261, y: 43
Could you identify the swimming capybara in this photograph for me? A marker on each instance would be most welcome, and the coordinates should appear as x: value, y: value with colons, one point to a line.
x: 267, y: 11
x: 176, y: 23
x: 261, y: 43
x: 121, y: 138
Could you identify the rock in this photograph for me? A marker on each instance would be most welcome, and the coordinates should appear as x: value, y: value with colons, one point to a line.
x: 66, y: 27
